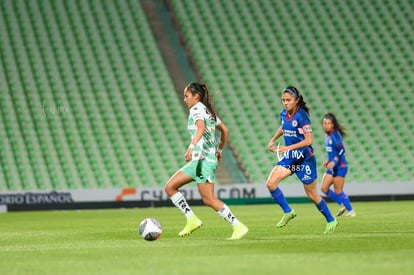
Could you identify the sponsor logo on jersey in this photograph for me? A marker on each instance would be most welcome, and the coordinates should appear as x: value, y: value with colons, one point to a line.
x: 291, y: 154
x: 289, y: 133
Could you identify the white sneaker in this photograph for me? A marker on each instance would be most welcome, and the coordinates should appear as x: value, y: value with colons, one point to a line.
x: 341, y: 211
x: 351, y: 213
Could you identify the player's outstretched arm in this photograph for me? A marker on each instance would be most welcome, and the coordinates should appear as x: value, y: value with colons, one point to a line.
x: 277, y: 135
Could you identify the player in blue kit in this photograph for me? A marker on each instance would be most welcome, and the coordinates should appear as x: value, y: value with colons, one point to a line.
x: 296, y: 157
x: 336, y: 165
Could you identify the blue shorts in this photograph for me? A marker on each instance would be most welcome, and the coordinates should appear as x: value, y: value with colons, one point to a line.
x: 305, y: 169
x: 338, y: 171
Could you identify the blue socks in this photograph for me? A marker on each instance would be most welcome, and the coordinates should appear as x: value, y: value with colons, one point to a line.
x: 345, y: 201
x: 323, y: 207
x: 333, y: 196
x: 280, y: 199
x: 341, y: 199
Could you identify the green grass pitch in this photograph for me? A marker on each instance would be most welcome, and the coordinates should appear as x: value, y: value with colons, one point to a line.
x: 380, y: 240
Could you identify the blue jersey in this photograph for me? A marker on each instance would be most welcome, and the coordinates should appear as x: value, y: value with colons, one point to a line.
x: 302, y: 161
x: 335, y: 148
x: 294, y: 128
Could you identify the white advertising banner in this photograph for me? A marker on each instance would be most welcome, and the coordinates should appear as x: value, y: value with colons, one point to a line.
x: 233, y: 191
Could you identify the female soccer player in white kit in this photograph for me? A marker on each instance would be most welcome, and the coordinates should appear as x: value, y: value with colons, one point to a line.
x: 202, y: 157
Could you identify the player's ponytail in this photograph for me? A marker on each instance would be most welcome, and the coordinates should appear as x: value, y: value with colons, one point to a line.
x: 336, y: 123
x: 202, y: 91
x: 295, y: 92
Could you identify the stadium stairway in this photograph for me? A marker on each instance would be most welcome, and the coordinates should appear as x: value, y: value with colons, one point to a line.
x: 179, y: 66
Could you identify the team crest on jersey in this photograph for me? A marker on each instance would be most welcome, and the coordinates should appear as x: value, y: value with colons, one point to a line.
x: 294, y: 123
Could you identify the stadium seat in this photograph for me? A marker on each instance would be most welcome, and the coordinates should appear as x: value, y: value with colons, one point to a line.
x: 102, y: 65
x: 332, y: 55
x: 89, y: 83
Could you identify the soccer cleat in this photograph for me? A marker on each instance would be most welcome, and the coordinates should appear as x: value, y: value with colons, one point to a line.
x: 330, y: 227
x: 238, y: 232
x: 341, y: 211
x: 193, y: 223
x: 286, y: 218
x: 351, y: 213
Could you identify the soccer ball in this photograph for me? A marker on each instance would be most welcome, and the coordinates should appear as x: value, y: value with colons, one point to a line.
x: 150, y: 229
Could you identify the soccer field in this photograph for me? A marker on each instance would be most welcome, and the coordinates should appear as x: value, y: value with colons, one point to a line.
x: 380, y: 240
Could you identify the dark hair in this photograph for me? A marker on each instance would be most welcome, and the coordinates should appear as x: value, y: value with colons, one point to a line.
x: 202, y: 90
x: 295, y: 92
x: 336, y: 123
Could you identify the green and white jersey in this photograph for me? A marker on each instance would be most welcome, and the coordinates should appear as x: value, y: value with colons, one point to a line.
x: 206, y: 147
